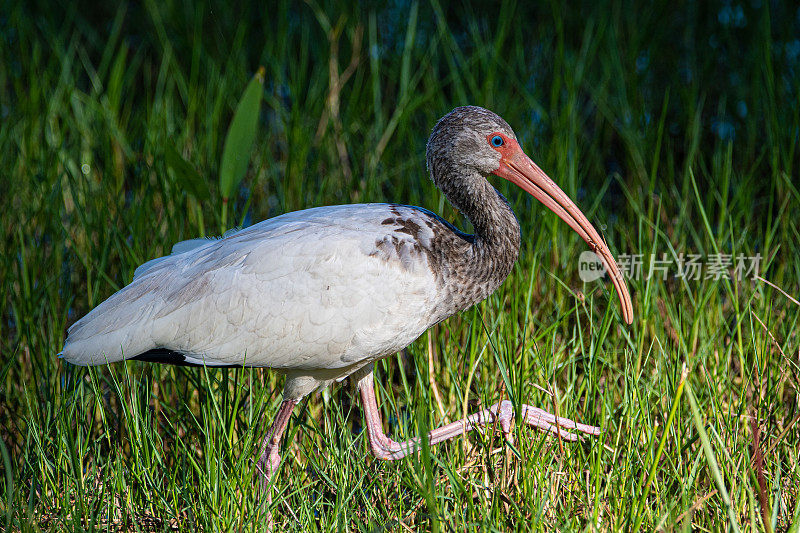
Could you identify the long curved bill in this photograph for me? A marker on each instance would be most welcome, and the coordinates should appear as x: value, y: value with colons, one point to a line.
x: 518, y: 168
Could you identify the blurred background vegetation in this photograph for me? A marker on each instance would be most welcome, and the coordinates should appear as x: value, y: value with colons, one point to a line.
x: 675, y: 126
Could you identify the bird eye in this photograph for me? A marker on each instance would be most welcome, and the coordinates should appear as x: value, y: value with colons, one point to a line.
x: 497, y: 141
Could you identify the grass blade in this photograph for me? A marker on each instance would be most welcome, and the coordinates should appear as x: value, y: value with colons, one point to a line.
x: 659, y: 451
x: 711, y: 459
x: 239, y: 141
x: 186, y: 175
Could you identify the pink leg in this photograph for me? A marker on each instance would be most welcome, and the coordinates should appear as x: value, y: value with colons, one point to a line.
x: 503, y: 413
x: 270, y: 452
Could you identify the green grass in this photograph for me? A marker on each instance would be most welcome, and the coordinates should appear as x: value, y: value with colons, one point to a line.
x: 675, y: 129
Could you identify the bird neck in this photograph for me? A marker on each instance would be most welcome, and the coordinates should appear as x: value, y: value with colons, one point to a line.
x: 497, y: 230
x: 495, y: 245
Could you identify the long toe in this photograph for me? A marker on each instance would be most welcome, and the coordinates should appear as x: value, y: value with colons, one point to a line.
x: 540, y: 418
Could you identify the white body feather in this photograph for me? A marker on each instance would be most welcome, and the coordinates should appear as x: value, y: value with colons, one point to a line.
x: 308, y: 292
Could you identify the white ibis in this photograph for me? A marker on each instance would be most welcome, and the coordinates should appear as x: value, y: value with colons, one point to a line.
x: 321, y: 294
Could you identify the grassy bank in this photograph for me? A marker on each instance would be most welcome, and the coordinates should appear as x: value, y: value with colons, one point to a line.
x: 675, y: 130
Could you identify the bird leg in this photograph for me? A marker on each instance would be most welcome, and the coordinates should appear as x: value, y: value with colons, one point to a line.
x: 501, y: 413
x: 270, y: 457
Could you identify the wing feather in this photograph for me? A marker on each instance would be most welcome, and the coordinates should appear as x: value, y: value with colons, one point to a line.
x: 316, y: 289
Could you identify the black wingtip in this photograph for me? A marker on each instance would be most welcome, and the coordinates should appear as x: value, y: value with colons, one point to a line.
x: 170, y: 357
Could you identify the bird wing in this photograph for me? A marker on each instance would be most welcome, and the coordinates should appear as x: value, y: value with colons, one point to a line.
x: 179, y: 248
x: 323, y: 288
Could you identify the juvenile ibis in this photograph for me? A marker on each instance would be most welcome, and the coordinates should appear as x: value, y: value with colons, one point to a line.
x: 322, y: 294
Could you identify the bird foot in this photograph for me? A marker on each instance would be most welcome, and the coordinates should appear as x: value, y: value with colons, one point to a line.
x: 503, y: 413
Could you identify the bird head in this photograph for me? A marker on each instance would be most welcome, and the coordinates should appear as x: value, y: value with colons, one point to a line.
x: 475, y: 143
